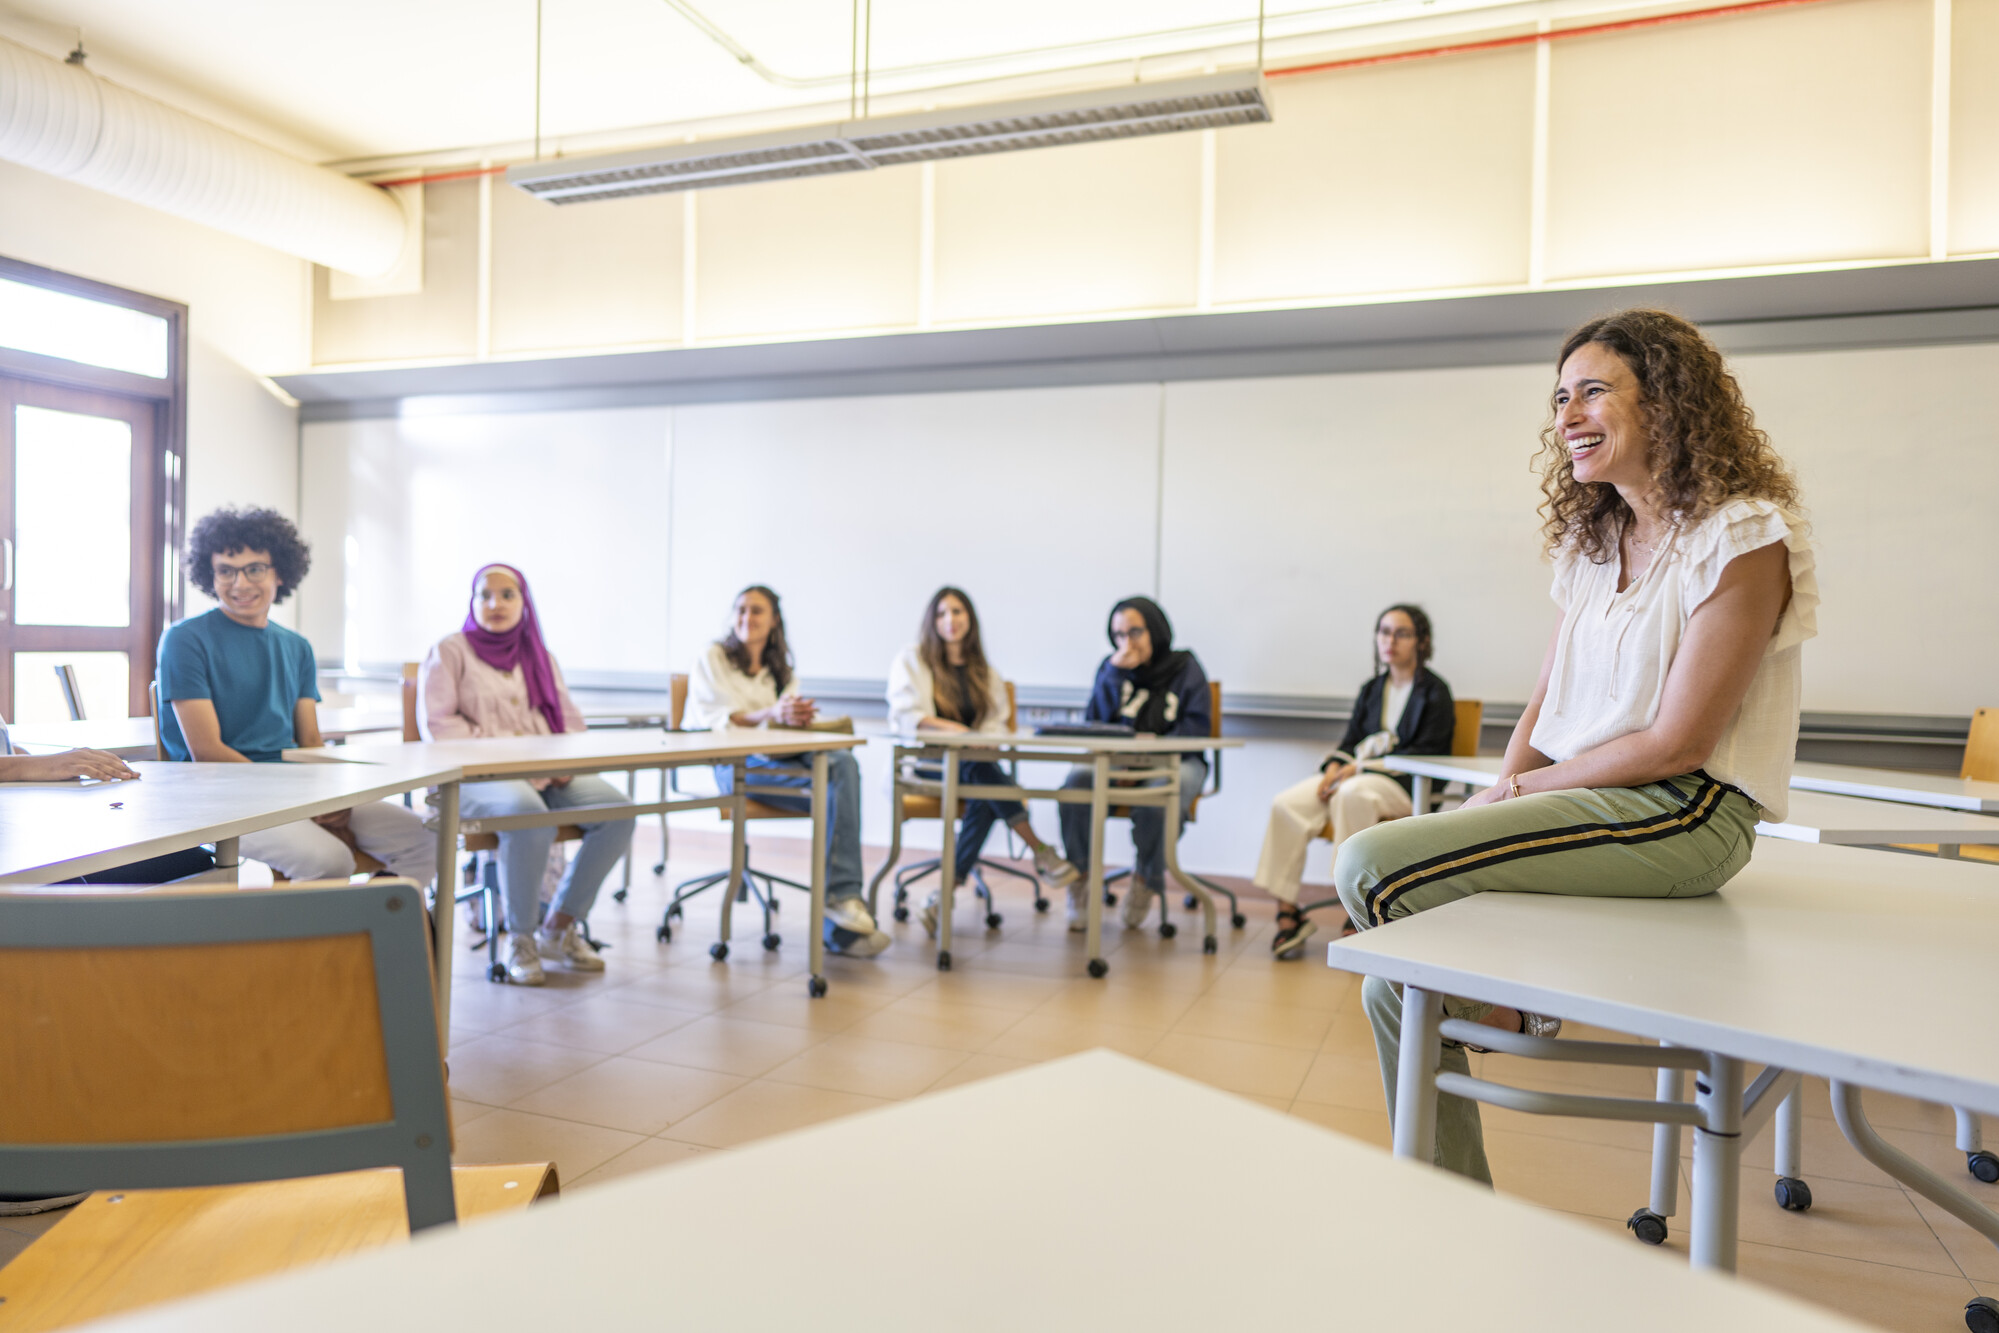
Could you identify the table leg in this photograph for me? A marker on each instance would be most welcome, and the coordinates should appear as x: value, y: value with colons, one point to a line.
x: 444, y: 903
x: 1419, y: 794
x: 947, y: 863
x: 1901, y: 1167
x: 816, y: 936
x: 1717, y: 1174
x: 739, y: 811
x: 1788, y: 1150
x: 1672, y: 1087
x: 1187, y: 882
x: 1093, y: 913
x: 227, y: 857
x: 631, y: 793
x: 1416, y: 1075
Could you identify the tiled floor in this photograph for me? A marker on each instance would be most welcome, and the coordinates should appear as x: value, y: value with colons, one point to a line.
x: 670, y: 1055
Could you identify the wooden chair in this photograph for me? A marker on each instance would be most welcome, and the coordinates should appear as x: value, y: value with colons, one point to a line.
x: 173, y: 1039
x: 1167, y: 930
x: 904, y: 806
x: 479, y: 882
x: 1464, y: 744
x: 133, y: 1248
x: 758, y: 884
x: 1980, y: 764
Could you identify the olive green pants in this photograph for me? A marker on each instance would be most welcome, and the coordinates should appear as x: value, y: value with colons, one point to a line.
x: 1681, y: 838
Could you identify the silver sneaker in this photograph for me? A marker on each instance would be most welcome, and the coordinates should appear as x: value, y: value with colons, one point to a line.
x: 569, y: 948
x: 1079, y: 907
x: 851, y: 914
x: 524, y: 960
x: 1054, y: 868
x: 1137, y: 905
x: 928, y: 916
x: 867, y: 946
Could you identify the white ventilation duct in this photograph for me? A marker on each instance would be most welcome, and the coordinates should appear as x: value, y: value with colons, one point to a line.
x: 1122, y: 112
x: 68, y: 122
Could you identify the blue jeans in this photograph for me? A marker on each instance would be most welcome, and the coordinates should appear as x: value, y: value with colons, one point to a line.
x: 843, y: 815
x: 1148, y: 822
x: 524, y: 852
x: 976, y: 818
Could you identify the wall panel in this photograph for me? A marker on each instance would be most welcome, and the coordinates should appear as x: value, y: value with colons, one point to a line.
x: 440, y: 321
x: 1974, y: 127
x: 584, y: 275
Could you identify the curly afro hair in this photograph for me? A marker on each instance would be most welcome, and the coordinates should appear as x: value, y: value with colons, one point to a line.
x: 227, y: 531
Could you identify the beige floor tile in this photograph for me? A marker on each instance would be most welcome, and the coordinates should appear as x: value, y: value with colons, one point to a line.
x: 497, y: 1070
x: 516, y: 1136
x: 1352, y: 1081
x: 1571, y: 1176
x: 602, y: 1023
x: 1123, y: 1003
x: 645, y: 1155
x: 890, y: 1069
x: 928, y: 1021
x: 758, y: 1110
x: 991, y: 990
x: 1270, y: 1025
x: 728, y: 1045
x: 1367, y: 1126
x: 636, y: 1095
x: 1974, y: 1255
x: 790, y: 1006
x: 464, y: 1112
x: 1609, y: 1133
x: 975, y: 1068
x: 1349, y: 1034
x: 1039, y: 1037
x: 701, y: 989
x: 1877, y: 1223
x: 1236, y: 1066
x: 1904, y: 1300
x: 480, y: 1005
x: 1885, y: 1110
x: 1261, y: 981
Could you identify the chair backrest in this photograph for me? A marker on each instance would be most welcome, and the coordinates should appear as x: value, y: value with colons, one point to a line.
x: 1981, y: 747
x: 153, y: 698
x: 1471, y: 717
x: 72, y: 692
x: 165, y: 1040
x: 410, y: 731
x: 676, y: 700
x: 1012, y: 707
x: 1214, y: 708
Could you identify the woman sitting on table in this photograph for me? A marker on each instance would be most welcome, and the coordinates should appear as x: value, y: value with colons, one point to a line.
x: 1666, y: 717
x: 1404, y: 708
x: 495, y: 677
x: 746, y: 679
x: 1156, y: 691
x: 942, y: 682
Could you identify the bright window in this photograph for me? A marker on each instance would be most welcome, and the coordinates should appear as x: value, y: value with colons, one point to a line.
x: 76, y: 328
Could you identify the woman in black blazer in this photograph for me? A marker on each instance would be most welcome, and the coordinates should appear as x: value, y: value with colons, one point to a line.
x: 1404, y: 708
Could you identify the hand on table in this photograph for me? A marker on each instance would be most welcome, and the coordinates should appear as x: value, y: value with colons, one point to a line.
x: 941, y: 724
x: 794, y: 711
x: 95, y: 764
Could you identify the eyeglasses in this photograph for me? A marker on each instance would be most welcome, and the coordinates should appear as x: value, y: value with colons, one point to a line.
x: 1397, y: 634
x: 256, y: 572
x: 1120, y: 635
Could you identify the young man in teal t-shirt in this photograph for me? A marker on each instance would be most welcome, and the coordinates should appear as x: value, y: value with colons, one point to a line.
x: 234, y: 688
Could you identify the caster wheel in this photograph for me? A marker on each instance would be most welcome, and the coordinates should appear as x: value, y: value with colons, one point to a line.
x: 497, y: 972
x: 1208, y: 945
x: 993, y: 920
x: 1167, y: 930
x: 1793, y: 1195
x: 1238, y: 921
x: 664, y: 934
x: 674, y: 911
x: 902, y: 914
x: 1982, y: 1315
x: 1190, y: 902
x: 1040, y: 904
x: 771, y: 941
x: 816, y: 987
x: 1648, y: 1226
x: 718, y: 952
x: 943, y: 960
x: 1984, y: 1166
x: 659, y: 869
x: 1098, y: 967
x: 619, y: 895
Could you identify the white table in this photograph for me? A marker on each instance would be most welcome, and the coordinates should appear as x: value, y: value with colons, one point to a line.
x: 1886, y: 784
x: 604, y: 751
x: 132, y: 737
x: 1138, y: 759
x: 1869, y: 971
x: 59, y: 830
x: 957, y: 1180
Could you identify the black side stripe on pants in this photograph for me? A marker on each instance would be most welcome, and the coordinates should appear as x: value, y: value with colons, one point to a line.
x: 1697, y: 810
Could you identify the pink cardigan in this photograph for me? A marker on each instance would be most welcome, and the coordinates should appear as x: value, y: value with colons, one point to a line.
x: 463, y: 697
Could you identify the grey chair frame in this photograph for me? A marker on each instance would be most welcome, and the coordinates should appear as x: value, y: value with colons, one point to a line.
x: 392, y: 913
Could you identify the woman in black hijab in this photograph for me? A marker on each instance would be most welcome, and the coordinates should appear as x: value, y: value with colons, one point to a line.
x: 1155, y: 690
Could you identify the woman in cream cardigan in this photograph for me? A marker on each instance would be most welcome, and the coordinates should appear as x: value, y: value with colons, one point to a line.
x: 942, y: 682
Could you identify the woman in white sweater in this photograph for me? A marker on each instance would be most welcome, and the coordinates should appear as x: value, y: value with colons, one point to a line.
x: 942, y: 682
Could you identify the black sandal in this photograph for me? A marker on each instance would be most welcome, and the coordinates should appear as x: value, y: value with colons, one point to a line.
x: 1293, y: 929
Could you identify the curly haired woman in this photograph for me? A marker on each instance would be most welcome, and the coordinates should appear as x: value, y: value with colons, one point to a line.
x: 1666, y: 716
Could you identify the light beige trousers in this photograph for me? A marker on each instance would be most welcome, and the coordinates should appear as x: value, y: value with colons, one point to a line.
x: 1298, y: 815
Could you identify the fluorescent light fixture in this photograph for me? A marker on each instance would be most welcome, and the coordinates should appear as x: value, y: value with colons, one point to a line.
x: 1126, y: 111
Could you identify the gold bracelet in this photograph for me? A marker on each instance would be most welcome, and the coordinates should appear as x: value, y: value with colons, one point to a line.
x: 1513, y: 786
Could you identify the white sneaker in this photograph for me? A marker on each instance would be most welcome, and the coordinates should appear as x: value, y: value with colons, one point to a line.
x: 1137, y: 903
x: 1054, y: 869
x: 929, y: 915
x: 524, y: 960
x: 569, y: 948
x: 1079, y: 907
x: 867, y: 946
x: 851, y: 914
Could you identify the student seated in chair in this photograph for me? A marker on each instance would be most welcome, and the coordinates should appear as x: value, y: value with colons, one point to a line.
x: 495, y: 677
x: 1157, y: 691
x: 942, y: 682
x: 235, y: 688
x: 746, y: 679
x: 1404, y: 708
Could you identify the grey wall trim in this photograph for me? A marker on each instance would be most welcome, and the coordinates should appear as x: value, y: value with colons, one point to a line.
x: 1893, y: 305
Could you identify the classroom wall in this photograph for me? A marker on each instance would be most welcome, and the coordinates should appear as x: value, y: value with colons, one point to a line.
x: 1272, y: 517
x: 247, y: 318
x: 1792, y: 137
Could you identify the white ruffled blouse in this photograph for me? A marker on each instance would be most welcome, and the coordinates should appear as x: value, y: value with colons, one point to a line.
x: 1616, y: 648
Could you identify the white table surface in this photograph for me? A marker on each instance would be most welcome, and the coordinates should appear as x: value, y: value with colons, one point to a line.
x: 1835, y: 961
x: 1885, y: 784
x: 1474, y: 770
x: 1027, y: 740
x: 606, y: 750
x: 1160, y: 1205
x: 60, y: 830
x: 127, y: 736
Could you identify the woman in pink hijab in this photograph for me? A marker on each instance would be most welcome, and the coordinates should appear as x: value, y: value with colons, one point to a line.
x: 495, y: 677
